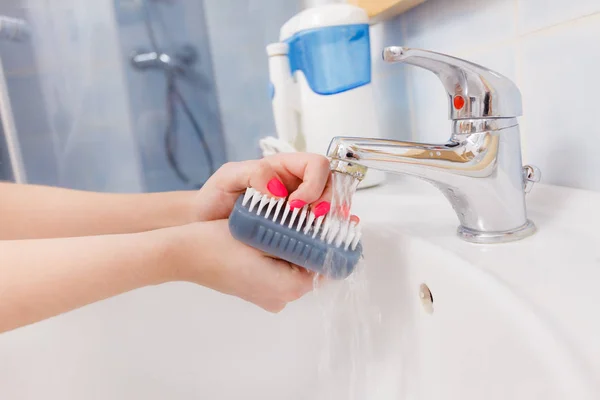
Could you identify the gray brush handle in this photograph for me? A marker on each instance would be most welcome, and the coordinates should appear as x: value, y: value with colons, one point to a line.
x: 291, y: 245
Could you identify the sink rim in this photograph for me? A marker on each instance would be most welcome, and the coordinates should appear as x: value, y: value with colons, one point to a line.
x: 553, y: 270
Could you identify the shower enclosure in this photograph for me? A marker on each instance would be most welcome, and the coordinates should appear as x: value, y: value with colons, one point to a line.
x: 86, y: 117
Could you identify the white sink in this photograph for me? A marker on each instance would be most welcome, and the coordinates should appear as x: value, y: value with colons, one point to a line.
x: 512, y: 321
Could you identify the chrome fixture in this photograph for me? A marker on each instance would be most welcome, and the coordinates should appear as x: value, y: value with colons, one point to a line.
x: 479, y: 169
x: 179, y: 63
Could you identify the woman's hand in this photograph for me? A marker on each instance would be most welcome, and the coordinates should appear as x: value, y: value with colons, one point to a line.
x: 129, y: 241
x: 302, y: 176
x: 205, y: 253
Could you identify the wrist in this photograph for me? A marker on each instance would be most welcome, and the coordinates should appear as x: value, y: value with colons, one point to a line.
x: 176, y: 249
x: 184, y: 207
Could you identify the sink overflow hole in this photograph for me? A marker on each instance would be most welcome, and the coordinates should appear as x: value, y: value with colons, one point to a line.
x: 426, y: 298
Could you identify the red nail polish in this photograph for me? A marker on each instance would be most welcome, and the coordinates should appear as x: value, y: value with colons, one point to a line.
x: 344, y: 210
x: 277, y: 188
x: 354, y: 219
x: 321, y: 209
x: 297, y: 204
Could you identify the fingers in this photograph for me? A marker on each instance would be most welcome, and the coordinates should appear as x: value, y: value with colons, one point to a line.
x: 292, y: 283
x: 322, y: 204
x: 221, y: 191
x: 314, y: 177
x: 306, y: 176
x: 266, y: 180
x: 259, y: 174
x: 314, y: 173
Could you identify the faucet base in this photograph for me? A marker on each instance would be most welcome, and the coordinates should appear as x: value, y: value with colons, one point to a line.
x: 479, y: 237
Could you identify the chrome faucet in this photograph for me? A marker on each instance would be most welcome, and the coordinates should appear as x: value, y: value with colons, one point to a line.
x: 479, y: 169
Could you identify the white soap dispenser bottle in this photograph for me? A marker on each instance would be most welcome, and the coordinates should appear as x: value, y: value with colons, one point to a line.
x: 320, y: 74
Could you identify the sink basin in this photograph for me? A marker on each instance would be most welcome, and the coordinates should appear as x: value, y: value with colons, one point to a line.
x: 433, y: 317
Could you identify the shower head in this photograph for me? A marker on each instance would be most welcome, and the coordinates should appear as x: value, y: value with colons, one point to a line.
x: 180, y: 62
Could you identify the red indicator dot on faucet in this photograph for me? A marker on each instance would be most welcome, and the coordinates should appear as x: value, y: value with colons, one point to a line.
x: 459, y: 102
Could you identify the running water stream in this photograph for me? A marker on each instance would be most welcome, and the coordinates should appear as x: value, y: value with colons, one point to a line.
x: 347, y: 315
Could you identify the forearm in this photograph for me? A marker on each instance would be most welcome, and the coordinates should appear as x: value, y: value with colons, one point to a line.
x: 32, y: 212
x: 46, y: 277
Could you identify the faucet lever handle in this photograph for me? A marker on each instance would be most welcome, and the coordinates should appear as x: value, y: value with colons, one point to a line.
x: 474, y: 91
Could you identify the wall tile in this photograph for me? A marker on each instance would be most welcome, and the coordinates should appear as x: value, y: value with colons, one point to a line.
x: 33, y: 131
x: 173, y: 25
x: 96, y: 149
x: 392, y: 105
x: 500, y: 58
x: 239, y: 32
x: 28, y: 104
x: 429, y: 106
x: 450, y: 26
x: 390, y: 90
x: 538, y: 14
x: 560, y: 99
x: 101, y: 160
x: 382, y: 35
x: 39, y: 158
x: 447, y: 27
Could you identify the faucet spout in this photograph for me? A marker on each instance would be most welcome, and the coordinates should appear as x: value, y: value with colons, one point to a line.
x: 478, y: 170
x: 423, y: 160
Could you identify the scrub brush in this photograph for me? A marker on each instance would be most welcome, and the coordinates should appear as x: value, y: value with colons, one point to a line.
x: 326, y: 245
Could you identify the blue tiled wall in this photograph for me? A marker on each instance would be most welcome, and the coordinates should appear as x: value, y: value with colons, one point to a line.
x: 239, y: 31
x: 174, y: 24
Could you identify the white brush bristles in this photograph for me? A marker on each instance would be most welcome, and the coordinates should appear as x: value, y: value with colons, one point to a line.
x: 339, y: 233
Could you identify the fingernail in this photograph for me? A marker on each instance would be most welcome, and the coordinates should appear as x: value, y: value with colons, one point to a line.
x: 277, y: 188
x: 354, y: 219
x: 321, y: 209
x: 344, y: 210
x: 297, y: 204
